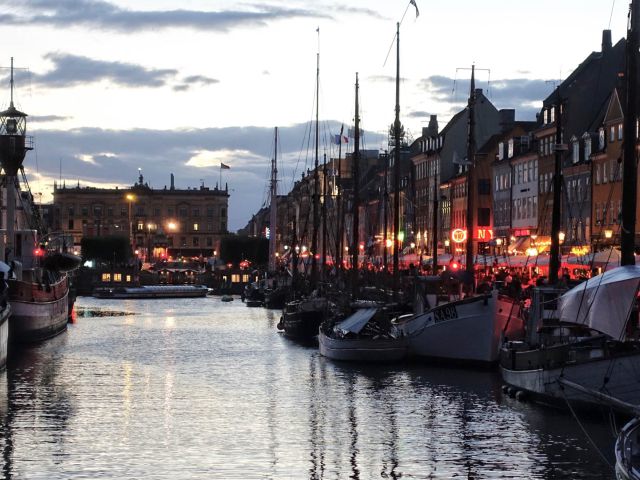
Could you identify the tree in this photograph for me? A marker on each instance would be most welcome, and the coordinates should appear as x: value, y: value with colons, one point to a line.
x: 235, y: 248
x: 106, y: 249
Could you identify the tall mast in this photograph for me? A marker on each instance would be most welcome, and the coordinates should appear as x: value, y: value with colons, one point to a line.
x: 554, y: 252
x: 323, y: 260
x: 630, y: 169
x: 356, y: 197
x: 339, y: 215
x: 396, y: 173
x: 471, y: 151
x: 316, y: 182
x: 434, y: 228
x: 385, y: 215
x: 273, y: 211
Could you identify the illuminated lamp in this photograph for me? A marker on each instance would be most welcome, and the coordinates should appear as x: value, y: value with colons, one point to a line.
x: 608, y: 234
x: 388, y: 243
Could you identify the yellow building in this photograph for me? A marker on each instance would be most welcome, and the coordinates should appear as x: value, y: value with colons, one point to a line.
x: 161, y: 223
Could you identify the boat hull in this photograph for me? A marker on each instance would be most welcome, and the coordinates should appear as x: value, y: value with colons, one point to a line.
x: 369, y: 350
x: 141, y: 293
x: 464, y: 331
x: 38, y: 311
x: 302, y: 324
x: 4, y: 335
x: 627, y: 465
x: 543, y: 384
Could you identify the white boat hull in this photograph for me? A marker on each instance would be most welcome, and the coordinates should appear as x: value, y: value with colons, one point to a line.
x: 4, y: 335
x: 543, y: 384
x: 379, y: 350
x: 468, y: 331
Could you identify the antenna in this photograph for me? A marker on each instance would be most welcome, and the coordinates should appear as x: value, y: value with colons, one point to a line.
x: 12, y: 81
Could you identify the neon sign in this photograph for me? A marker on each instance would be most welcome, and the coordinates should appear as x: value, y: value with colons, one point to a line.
x: 459, y: 235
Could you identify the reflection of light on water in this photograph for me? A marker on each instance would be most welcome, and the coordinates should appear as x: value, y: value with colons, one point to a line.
x: 168, y: 403
x: 127, y: 372
x: 170, y: 322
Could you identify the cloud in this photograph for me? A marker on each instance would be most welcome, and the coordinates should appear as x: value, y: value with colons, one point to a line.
x: 525, y: 95
x: 71, y: 70
x: 47, y: 118
x: 108, y: 16
x: 418, y: 114
x: 95, y: 156
x: 384, y: 78
x: 192, y: 80
x: 208, y: 158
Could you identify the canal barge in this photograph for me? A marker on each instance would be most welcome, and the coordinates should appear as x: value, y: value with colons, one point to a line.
x: 152, y: 292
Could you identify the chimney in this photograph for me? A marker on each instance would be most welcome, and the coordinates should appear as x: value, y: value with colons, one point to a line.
x: 507, y: 119
x: 606, y: 41
x: 173, y: 187
x: 433, y: 126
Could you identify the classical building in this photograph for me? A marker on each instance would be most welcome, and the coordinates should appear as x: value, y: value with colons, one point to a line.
x: 161, y: 223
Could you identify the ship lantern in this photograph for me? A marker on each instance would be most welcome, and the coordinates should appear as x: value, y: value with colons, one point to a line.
x: 14, y: 142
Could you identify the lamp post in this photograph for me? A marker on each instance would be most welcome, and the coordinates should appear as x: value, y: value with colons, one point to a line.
x: 130, y: 198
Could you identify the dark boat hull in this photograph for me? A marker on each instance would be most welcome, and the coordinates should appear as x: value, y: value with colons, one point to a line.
x: 302, y: 325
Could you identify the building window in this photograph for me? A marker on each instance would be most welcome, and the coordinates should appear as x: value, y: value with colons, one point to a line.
x: 223, y: 212
x: 196, y: 242
x: 85, y: 210
x: 620, y: 130
x: 587, y: 148
x: 128, y: 278
x: 196, y: 212
x: 612, y: 134
x: 210, y: 212
x: 140, y: 226
x: 484, y: 186
x: 601, y: 137
x: 209, y: 242
x: 139, y: 209
x: 576, y: 152
x: 117, y: 277
x: 71, y: 211
x: 170, y: 211
x: 183, y: 241
x: 196, y: 227
x: 235, y: 278
x: 245, y: 278
x: 184, y: 212
x: 70, y: 224
x: 97, y: 210
x: 156, y: 212
x: 124, y: 212
x: 110, y: 211
x: 106, y: 277
x: 597, y: 174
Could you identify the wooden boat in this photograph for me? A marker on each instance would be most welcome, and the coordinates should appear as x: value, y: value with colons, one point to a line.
x: 301, y: 319
x: 362, y: 337
x: 152, y: 292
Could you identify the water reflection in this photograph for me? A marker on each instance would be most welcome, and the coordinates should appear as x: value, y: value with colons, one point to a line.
x: 200, y: 389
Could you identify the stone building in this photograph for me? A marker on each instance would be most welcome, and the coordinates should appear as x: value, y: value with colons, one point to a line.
x: 161, y: 223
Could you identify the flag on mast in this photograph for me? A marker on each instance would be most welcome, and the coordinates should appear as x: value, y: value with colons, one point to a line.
x: 224, y: 167
x: 413, y: 2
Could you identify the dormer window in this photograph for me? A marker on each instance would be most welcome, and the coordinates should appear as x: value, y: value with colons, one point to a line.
x: 552, y: 115
x: 500, y: 151
x: 587, y: 146
x: 620, y: 130
x: 576, y: 150
x: 601, y: 138
x: 510, y: 155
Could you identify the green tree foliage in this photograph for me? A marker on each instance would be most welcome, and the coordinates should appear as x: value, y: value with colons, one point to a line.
x: 235, y: 248
x: 106, y: 249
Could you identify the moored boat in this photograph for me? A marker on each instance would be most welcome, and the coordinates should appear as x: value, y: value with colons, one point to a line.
x: 365, y: 336
x: 628, y: 451
x: 152, y: 292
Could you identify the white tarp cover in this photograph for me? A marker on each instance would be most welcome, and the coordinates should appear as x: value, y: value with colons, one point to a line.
x: 357, y: 321
x: 603, y: 302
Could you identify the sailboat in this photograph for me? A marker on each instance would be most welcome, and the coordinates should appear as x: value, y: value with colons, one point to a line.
x: 366, y: 333
x: 461, y: 330
x: 301, y: 318
x: 38, y: 292
x: 578, y: 347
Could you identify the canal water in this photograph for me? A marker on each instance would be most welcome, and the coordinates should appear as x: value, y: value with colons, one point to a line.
x: 198, y: 388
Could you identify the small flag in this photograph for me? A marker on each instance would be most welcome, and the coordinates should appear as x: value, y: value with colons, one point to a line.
x: 224, y: 167
x: 338, y: 139
x: 413, y: 2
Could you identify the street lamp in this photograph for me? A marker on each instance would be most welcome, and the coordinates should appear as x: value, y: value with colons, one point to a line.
x: 608, y: 234
x: 130, y: 197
